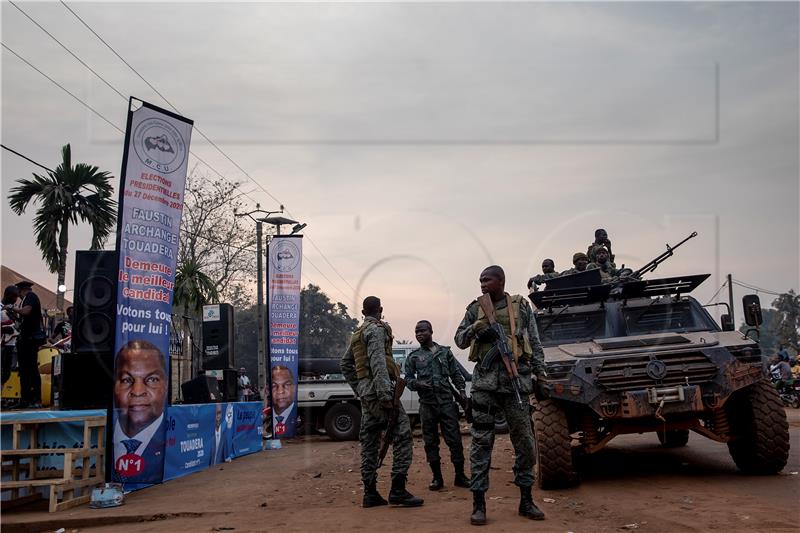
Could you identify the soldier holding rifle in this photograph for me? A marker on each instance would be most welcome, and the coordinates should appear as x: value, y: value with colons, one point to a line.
x: 501, y: 382
x: 370, y: 370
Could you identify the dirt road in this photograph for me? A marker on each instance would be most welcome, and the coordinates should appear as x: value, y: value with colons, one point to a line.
x: 313, y: 485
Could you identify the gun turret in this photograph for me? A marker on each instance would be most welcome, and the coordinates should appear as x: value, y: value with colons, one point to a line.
x: 653, y: 264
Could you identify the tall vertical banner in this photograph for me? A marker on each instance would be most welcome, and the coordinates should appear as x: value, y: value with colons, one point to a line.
x: 149, y: 218
x: 283, y: 297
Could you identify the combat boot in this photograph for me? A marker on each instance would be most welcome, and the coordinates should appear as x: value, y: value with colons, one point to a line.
x: 438, y: 482
x: 478, y: 517
x: 461, y: 479
x: 527, y: 508
x: 400, y: 496
x: 372, y: 498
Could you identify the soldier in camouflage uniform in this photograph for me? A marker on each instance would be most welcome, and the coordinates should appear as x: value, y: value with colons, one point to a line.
x: 580, y: 261
x: 370, y: 369
x: 548, y: 272
x: 429, y: 370
x: 601, y: 240
x: 607, y: 270
x: 492, y: 391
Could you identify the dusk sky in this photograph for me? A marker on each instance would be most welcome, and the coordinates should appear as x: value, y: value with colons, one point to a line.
x: 422, y: 142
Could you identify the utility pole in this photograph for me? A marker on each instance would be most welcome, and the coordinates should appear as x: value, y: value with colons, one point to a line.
x: 730, y: 297
x: 260, y: 307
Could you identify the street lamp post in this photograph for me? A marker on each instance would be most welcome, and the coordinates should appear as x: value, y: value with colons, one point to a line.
x: 262, y: 375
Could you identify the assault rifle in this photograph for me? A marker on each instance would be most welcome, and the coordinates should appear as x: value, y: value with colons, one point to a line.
x: 391, y: 425
x: 466, y: 404
x: 500, y: 347
x: 653, y: 264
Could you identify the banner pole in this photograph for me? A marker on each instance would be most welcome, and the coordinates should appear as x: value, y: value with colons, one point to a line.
x: 109, y: 435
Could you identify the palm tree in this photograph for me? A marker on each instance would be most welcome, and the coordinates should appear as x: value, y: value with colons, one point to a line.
x: 64, y: 196
x: 193, y: 289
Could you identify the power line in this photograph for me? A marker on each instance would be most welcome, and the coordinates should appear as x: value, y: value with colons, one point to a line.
x: 84, y: 104
x: 173, y: 107
x: 716, y: 293
x: 755, y: 288
x: 65, y: 48
x: 202, y: 134
x: 26, y: 158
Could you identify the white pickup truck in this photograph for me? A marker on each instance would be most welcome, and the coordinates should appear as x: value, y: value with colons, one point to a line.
x: 327, y: 403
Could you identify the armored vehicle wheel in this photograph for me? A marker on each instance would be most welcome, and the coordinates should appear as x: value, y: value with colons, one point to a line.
x: 553, y: 446
x: 673, y: 438
x: 760, y: 430
x: 343, y: 421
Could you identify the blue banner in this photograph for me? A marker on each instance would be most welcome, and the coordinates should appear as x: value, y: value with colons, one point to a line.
x: 198, y: 436
x: 283, y: 275
x: 149, y: 218
x: 248, y: 427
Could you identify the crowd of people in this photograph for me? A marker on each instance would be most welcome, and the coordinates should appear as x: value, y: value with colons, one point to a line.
x: 598, y: 256
x: 23, y: 334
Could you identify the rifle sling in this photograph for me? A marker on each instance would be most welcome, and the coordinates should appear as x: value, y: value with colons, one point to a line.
x: 512, y: 324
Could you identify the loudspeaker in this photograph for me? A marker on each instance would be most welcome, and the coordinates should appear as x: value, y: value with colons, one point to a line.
x: 95, y: 297
x: 82, y: 380
x: 202, y: 389
x: 218, y: 337
x: 229, y: 390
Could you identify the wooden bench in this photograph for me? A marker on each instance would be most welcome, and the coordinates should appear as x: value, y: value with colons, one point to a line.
x: 69, y: 486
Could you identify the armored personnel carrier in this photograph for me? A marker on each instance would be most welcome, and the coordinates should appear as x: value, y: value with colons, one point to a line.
x: 644, y: 356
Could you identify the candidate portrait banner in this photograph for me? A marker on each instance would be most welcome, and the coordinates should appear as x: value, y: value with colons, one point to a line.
x: 148, y: 223
x: 283, y: 297
x: 198, y: 437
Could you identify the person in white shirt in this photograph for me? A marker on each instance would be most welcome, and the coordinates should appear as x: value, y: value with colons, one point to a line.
x: 244, y: 385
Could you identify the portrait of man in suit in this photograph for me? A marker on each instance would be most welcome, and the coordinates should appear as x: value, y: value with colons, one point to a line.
x: 284, y: 409
x: 140, y: 395
x: 220, y: 450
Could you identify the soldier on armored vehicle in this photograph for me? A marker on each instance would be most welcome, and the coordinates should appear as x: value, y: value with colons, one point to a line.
x: 635, y: 356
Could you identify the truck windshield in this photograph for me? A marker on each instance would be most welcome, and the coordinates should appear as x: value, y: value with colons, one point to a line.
x: 659, y: 317
x: 571, y: 327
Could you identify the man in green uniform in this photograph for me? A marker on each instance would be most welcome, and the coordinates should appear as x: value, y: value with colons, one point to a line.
x: 429, y: 370
x: 601, y: 240
x: 492, y: 390
x: 580, y: 260
x: 548, y: 272
x: 602, y: 262
x: 370, y: 370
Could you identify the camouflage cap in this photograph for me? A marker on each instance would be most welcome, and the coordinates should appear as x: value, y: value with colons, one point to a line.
x: 579, y: 255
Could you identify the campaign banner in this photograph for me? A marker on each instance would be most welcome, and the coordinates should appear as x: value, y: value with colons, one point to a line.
x: 248, y: 427
x: 283, y: 295
x: 148, y: 223
x: 198, y: 436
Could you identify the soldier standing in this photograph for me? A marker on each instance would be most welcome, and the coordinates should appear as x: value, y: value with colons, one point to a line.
x: 370, y: 370
x: 492, y: 390
x: 548, y: 272
x: 601, y: 240
x: 580, y: 260
x: 429, y: 370
x: 602, y: 262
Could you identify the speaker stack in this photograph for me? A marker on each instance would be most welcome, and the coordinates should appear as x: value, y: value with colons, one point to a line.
x: 218, y: 349
x: 84, y: 378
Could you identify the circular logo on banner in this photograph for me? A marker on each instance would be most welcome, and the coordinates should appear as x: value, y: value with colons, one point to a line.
x: 159, y: 145
x: 285, y: 256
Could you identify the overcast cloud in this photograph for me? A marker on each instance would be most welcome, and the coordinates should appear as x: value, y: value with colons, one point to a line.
x: 421, y: 142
